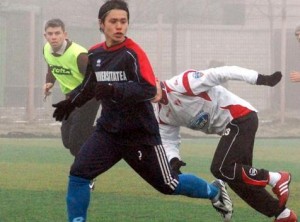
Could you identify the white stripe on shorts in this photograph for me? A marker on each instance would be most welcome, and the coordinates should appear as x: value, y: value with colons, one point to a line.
x: 164, y: 165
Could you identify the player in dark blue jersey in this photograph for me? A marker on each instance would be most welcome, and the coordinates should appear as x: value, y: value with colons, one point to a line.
x: 120, y: 75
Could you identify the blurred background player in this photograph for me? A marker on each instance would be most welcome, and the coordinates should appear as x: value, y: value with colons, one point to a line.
x: 67, y: 62
x: 120, y: 75
x: 196, y: 100
x: 295, y: 75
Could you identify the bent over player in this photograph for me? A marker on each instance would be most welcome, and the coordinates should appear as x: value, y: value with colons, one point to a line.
x: 195, y: 99
x: 67, y: 62
x: 120, y: 75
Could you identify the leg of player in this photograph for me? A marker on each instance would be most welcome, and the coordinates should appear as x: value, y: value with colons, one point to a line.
x: 222, y: 202
x: 280, y: 182
x: 192, y: 186
x: 155, y: 170
x: 78, y: 198
x: 286, y: 215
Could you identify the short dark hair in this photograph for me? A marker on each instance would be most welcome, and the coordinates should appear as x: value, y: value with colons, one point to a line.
x: 110, y: 5
x: 56, y: 22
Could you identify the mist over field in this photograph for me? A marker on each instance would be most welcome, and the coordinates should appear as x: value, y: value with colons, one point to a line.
x: 176, y: 35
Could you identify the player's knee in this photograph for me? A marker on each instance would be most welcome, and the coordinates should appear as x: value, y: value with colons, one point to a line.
x: 66, y: 143
x: 215, y: 170
x: 81, y: 174
x: 74, y: 148
x: 165, y: 189
x: 222, y: 172
x: 74, y: 151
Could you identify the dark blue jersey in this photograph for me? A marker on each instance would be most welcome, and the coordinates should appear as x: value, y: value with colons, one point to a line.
x: 129, y: 113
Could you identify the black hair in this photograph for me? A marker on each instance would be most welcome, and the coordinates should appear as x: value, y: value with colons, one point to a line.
x: 110, y: 5
x: 56, y: 22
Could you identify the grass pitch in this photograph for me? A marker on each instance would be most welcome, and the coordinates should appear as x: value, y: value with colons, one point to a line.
x: 34, y: 178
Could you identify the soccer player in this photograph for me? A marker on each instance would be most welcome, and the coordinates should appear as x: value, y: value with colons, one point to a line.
x: 120, y: 75
x: 67, y: 62
x: 195, y: 99
x: 295, y: 75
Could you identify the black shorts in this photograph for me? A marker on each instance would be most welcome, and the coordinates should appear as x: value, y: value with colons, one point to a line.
x: 235, y: 149
x: 103, y: 150
x: 79, y: 126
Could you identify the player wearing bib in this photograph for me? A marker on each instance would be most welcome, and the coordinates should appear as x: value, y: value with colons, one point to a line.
x: 65, y: 68
x: 196, y: 100
x: 67, y: 62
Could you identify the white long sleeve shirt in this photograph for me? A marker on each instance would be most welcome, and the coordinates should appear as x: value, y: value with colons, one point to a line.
x: 195, y: 99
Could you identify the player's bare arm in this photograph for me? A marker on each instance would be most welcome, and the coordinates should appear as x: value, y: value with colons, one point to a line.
x: 295, y: 76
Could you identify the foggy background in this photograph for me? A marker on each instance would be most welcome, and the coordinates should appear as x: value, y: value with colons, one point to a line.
x: 176, y: 35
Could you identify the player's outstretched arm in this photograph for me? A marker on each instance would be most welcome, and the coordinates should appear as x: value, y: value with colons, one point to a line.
x: 270, y: 80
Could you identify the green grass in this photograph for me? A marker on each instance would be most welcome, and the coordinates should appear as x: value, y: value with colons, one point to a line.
x: 34, y: 177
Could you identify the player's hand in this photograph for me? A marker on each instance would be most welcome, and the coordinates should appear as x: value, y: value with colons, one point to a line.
x: 270, y: 80
x: 63, y: 109
x: 176, y: 164
x: 47, y: 86
x: 104, y: 91
x: 295, y: 76
x: 158, y: 95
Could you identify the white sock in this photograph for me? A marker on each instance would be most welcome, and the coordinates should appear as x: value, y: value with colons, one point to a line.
x: 284, y: 214
x: 274, y: 178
